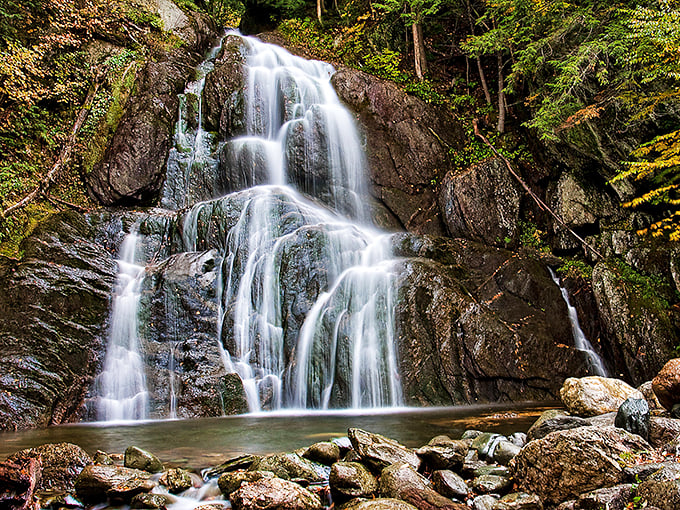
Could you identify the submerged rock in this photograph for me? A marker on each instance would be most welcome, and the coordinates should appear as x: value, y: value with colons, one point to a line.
x: 594, y: 395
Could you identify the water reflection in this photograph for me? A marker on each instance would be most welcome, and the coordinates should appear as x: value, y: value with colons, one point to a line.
x: 207, y: 442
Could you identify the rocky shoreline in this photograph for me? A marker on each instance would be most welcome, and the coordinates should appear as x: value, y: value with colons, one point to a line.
x: 613, y: 447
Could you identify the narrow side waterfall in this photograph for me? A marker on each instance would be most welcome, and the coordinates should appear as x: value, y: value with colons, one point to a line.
x: 580, y: 340
x: 122, y: 384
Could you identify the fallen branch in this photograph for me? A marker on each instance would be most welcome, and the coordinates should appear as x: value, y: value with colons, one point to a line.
x: 64, y: 156
x: 533, y: 195
x: 59, y: 201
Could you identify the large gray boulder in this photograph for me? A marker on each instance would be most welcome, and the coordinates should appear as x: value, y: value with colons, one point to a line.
x: 594, y: 395
x: 567, y: 463
x: 379, y: 451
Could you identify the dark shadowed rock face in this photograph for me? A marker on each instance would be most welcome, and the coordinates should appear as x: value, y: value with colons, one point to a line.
x: 479, y: 323
x: 407, y: 149
x: 482, y: 204
x: 53, y: 316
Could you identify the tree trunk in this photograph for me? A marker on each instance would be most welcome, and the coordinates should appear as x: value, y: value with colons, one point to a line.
x: 319, y: 9
x: 480, y: 69
x: 501, y: 96
x: 419, y: 51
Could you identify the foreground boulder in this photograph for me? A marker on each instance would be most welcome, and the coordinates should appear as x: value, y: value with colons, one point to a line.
x: 379, y: 451
x: 61, y: 464
x: 553, y: 420
x: 136, y: 458
x: 594, y: 395
x: 18, y: 483
x: 400, y: 480
x: 378, y: 504
x: 98, y: 483
x: 565, y: 464
x: 666, y: 384
x: 274, y: 494
x: 290, y: 466
x: 351, y: 480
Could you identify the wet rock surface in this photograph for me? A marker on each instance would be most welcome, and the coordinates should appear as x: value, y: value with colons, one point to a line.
x: 666, y: 384
x: 592, y: 396
x: 53, y: 322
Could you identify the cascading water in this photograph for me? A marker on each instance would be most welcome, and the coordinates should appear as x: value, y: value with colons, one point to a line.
x: 580, y: 341
x: 122, y: 384
x: 294, y: 120
x: 304, y: 287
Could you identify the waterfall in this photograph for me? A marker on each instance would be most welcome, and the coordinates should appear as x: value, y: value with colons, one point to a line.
x: 122, y: 384
x: 300, y: 138
x: 580, y: 341
x: 305, y: 286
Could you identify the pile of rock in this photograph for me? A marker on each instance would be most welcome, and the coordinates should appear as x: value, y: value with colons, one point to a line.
x: 612, y: 448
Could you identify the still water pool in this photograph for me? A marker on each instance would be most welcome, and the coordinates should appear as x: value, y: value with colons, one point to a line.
x: 205, y: 442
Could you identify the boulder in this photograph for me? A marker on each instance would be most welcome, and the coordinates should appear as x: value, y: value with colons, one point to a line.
x: 666, y: 384
x: 18, y: 483
x: 484, y: 502
x: 449, y: 484
x: 486, y: 484
x: 235, y: 464
x: 612, y: 498
x: 482, y: 204
x: 647, y: 390
x: 633, y: 416
x: 519, y: 501
x: 61, y: 464
x: 594, y: 395
x: 136, y: 458
x: 274, y: 494
x: 402, y: 481
x: 232, y: 481
x: 552, y: 420
x: 505, y: 451
x: 486, y: 444
x: 147, y: 500
x: 567, y: 463
x: 351, y: 480
x: 662, y: 494
x: 663, y: 430
x: 290, y: 466
x: 441, y: 457
x: 377, y: 504
x: 324, y: 453
x: 379, y: 451
x: 176, y: 480
x: 97, y: 483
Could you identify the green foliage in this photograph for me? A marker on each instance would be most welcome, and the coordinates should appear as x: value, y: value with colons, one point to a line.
x: 651, y: 291
x: 530, y: 236
x: 385, y: 64
x: 575, y: 269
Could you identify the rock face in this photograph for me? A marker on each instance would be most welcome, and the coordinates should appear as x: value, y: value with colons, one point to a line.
x: 639, y: 330
x: 52, y: 322
x: 666, y: 384
x: 567, y: 463
x: 482, y: 204
x: 407, y: 149
x: 133, y: 166
x: 478, y: 323
x: 592, y: 396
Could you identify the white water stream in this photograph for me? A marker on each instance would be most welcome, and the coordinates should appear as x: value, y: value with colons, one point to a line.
x: 122, y: 384
x: 581, y: 342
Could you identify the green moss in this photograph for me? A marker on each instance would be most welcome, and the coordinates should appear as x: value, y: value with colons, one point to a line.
x: 530, y: 236
x: 576, y: 269
x: 652, y: 292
